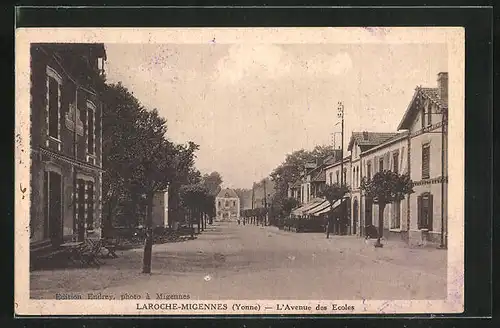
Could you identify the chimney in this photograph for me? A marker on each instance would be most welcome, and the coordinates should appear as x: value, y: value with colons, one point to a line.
x: 442, y: 82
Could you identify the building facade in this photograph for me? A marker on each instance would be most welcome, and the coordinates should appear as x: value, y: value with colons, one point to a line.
x: 426, y: 121
x: 390, y: 155
x: 66, y: 142
x: 227, y: 205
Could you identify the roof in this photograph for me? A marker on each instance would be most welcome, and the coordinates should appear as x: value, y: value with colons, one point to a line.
x: 370, y: 138
x: 396, y: 137
x: 420, y: 94
x: 227, y: 193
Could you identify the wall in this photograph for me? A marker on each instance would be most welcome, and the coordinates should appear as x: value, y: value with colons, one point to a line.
x: 432, y: 136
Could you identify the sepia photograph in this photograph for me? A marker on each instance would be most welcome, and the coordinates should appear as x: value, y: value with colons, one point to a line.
x: 239, y: 171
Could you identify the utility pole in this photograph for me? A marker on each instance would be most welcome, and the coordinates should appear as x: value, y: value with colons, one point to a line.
x: 340, y: 114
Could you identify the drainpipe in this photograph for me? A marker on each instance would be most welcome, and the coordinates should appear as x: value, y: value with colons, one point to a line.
x: 443, y: 242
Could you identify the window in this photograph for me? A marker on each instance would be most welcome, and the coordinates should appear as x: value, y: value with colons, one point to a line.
x: 396, y: 215
x: 345, y: 177
x: 424, y: 203
x: 331, y: 177
x: 226, y: 203
x: 429, y: 114
x: 90, y: 128
x: 425, y: 161
x: 422, y: 117
x: 395, y: 158
x: 357, y: 176
x: 54, y: 81
x: 220, y: 204
x: 337, y: 176
x: 381, y: 164
x: 234, y: 203
x: 369, y: 170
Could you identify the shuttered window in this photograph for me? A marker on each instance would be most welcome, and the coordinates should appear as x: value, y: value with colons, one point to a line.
x: 395, y: 159
x: 425, y: 205
x: 53, y: 98
x: 425, y: 161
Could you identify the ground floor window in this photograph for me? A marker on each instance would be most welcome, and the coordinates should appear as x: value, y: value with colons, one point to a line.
x: 396, y: 215
x: 425, y: 211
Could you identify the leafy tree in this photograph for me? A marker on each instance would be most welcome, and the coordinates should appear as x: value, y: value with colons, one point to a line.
x: 212, y: 181
x: 288, y: 205
x: 333, y: 193
x: 384, y: 188
x: 289, y: 171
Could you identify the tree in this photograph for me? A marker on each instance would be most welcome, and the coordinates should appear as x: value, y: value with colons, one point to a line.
x: 333, y: 193
x: 386, y: 187
x: 288, y: 205
x: 212, y: 181
x: 195, y: 198
x: 289, y: 171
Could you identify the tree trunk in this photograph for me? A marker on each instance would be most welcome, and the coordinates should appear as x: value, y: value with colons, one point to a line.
x: 381, y: 207
x: 148, y: 244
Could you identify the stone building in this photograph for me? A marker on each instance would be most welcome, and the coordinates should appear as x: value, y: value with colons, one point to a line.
x: 227, y: 205
x: 66, y: 142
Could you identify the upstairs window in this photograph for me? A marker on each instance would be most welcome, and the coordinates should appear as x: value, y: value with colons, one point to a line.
x: 90, y: 128
x: 54, y: 82
x: 395, y: 160
x: 369, y: 170
x: 331, y: 177
x: 425, y: 161
x: 381, y: 164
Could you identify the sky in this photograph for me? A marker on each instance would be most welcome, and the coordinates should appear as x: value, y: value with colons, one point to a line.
x: 249, y: 105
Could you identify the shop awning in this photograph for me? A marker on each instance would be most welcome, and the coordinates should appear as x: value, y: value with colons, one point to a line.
x: 321, y: 206
x: 312, y: 204
x: 324, y: 208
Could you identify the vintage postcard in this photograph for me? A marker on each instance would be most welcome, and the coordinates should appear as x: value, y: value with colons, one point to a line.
x: 256, y: 171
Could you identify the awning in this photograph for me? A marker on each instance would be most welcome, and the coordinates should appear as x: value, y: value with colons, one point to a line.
x: 310, y: 205
x: 321, y: 206
x: 324, y: 209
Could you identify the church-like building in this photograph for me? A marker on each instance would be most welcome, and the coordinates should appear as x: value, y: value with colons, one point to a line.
x: 227, y: 205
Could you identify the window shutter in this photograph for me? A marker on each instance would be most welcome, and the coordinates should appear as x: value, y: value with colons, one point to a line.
x: 430, y: 213
x: 419, y: 210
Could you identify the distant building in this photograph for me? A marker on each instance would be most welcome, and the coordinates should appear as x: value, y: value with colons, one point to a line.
x: 66, y: 143
x: 227, y: 205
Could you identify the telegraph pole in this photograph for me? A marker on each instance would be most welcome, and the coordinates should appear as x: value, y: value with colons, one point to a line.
x: 340, y: 114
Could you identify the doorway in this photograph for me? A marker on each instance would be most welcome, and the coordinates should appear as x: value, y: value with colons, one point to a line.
x: 354, y: 216
x: 368, y: 211
x: 53, y: 225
